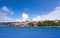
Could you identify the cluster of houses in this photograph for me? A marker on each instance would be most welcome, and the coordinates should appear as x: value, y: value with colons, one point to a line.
x: 20, y: 23
x: 15, y: 23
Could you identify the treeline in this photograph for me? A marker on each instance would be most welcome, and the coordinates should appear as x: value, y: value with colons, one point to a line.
x: 45, y: 23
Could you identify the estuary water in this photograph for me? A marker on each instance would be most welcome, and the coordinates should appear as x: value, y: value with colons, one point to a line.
x: 29, y: 32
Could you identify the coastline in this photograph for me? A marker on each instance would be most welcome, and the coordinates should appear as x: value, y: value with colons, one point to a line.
x: 31, y: 26
x: 46, y: 23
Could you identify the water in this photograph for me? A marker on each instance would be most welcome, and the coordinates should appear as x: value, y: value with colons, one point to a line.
x: 29, y: 32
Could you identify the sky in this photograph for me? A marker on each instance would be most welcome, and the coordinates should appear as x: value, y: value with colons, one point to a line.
x: 29, y: 10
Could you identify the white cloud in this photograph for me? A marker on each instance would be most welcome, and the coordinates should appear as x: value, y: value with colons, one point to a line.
x: 37, y: 18
x: 17, y: 20
x: 3, y: 14
x: 5, y: 17
x: 24, y: 17
x: 53, y: 15
x: 6, y: 9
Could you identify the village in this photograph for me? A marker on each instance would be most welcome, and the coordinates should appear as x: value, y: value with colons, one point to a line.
x: 34, y: 23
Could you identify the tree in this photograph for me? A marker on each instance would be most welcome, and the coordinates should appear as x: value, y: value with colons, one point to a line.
x: 38, y: 24
x: 49, y: 23
x: 30, y: 24
x: 58, y: 23
x: 46, y: 23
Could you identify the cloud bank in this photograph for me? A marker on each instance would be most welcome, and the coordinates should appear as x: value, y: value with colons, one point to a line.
x: 3, y: 14
x: 53, y: 15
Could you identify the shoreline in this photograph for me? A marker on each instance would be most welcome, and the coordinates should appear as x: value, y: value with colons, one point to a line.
x: 28, y: 26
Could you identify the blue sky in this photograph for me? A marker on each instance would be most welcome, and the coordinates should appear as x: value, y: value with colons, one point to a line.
x: 32, y: 9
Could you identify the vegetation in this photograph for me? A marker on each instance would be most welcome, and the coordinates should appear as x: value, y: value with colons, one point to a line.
x: 39, y: 23
x: 49, y: 23
x: 30, y: 24
x: 57, y: 23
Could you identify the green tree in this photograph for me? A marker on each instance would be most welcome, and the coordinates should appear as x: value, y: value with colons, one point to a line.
x: 49, y: 23
x: 38, y: 24
x: 58, y: 23
x: 30, y: 24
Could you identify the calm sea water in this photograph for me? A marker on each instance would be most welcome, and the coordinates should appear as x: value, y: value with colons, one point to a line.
x: 29, y: 32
